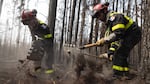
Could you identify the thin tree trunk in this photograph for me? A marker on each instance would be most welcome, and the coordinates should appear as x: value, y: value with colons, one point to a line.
x: 123, y: 6
x: 69, y: 20
x: 96, y: 35
x: 141, y: 13
x: 66, y: 22
x: 5, y: 46
x: 91, y: 32
x: 82, y: 23
x: 128, y: 9
x: 76, y: 27
x: 72, y: 20
x: 136, y: 11
x: 117, y: 5
x: 1, y: 4
x: 113, y: 5
x: 141, y: 20
x: 13, y: 21
x: 63, y: 27
x: 52, y: 15
x: 19, y: 32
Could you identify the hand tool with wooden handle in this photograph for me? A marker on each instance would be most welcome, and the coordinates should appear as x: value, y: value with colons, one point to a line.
x: 88, y: 45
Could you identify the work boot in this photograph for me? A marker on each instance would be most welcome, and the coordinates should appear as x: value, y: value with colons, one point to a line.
x: 45, y: 71
x: 38, y: 69
x: 129, y: 76
x: 125, y: 76
x: 49, y: 71
x: 31, y: 73
x: 113, y: 78
x: 117, y: 75
x: 21, y: 61
x: 121, y: 78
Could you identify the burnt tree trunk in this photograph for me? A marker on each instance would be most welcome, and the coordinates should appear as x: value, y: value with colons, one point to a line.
x: 117, y: 5
x: 123, y: 9
x: 72, y: 20
x: 82, y: 23
x: 63, y: 25
x: 128, y: 8
x: 145, y: 61
x: 113, y: 7
x: 1, y: 4
x: 52, y: 15
x: 77, y: 23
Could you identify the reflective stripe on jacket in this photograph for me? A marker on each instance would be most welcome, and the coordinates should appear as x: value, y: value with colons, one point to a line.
x: 42, y: 31
x: 120, y: 21
x: 114, y: 46
x: 118, y: 24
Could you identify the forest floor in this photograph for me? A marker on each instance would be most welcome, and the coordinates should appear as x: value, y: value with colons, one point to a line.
x: 85, y: 71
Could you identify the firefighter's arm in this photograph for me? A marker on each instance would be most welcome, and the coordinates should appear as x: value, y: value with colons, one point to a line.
x: 116, y: 35
x: 118, y: 28
x: 107, y: 39
x: 100, y: 42
x: 33, y: 36
x: 110, y: 38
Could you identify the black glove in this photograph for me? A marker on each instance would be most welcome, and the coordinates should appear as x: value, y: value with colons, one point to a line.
x: 110, y: 54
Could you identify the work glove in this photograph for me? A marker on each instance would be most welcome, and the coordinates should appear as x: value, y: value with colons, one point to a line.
x: 100, y: 42
x: 110, y: 54
x: 110, y: 57
x: 106, y: 56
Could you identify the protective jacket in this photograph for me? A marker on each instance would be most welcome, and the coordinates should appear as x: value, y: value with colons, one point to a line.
x: 42, y: 31
x: 119, y: 24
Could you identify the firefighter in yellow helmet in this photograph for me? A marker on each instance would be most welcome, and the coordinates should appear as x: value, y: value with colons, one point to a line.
x: 124, y: 30
x: 42, y: 45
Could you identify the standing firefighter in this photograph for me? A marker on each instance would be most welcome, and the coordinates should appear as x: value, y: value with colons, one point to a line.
x: 124, y: 30
x: 42, y: 47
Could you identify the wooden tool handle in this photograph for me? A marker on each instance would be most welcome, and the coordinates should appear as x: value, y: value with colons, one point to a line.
x: 88, y: 46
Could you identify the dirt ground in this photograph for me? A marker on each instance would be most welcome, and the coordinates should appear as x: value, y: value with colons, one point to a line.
x: 83, y: 70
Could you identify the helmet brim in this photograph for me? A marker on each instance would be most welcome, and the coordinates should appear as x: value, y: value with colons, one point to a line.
x: 94, y: 14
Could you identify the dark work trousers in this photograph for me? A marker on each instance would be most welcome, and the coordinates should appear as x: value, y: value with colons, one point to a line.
x: 47, y: 59
x: 132, y: 37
